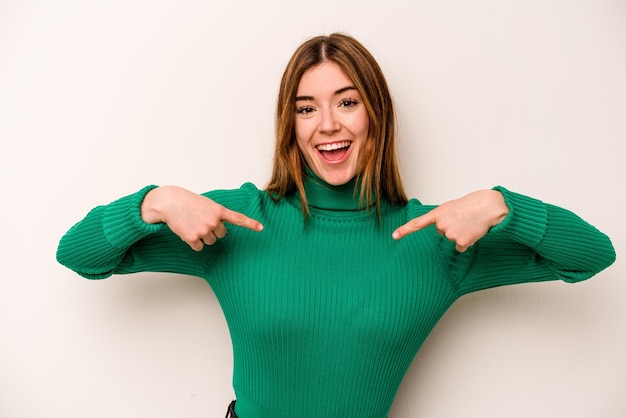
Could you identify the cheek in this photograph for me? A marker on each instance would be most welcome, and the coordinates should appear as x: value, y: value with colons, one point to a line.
x: 363, y: 133
x: 301, y: 143
x: 299, y: 139
x: 362, y: 127
x: 303, y: 133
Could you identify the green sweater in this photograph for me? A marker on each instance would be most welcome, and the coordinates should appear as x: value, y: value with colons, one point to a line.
x: 326, y: 315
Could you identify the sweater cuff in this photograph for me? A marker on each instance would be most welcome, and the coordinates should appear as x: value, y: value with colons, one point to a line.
x: 527, y: 219
x: 122, y: 222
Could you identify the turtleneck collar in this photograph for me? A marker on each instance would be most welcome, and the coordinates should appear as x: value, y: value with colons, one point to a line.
x: 322, y: 195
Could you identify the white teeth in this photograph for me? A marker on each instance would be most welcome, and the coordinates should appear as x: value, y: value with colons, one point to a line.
x: 333, y: 146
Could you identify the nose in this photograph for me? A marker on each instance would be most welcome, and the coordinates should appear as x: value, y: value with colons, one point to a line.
x: 328, y: 123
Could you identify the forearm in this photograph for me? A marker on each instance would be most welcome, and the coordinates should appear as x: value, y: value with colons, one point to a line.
x: 535, y: 242
x: 97, y: 244
x: 160, y: 229
x: 573, y: 248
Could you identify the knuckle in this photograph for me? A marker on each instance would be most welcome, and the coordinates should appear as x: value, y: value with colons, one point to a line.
x: 210, y: 223
x: 462, y: 243
x: 413, y: 224
x: 189, y: 238
x: 239, y: 219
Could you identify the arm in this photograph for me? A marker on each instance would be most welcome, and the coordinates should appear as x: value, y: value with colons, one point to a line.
x: 534, y: 241
x: 147, y: 231
x: 462, y: 221
x: 196, y: 219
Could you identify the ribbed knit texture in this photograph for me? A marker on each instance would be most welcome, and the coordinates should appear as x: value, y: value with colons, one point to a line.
x: 326, y: 315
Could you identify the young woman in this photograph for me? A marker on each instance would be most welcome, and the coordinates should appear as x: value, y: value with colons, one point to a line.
x: 331, y: 279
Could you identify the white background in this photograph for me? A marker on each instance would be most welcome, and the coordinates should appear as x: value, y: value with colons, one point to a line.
x: 99, y: 98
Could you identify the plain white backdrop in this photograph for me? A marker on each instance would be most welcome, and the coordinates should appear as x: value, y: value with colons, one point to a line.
x: 100, y: 98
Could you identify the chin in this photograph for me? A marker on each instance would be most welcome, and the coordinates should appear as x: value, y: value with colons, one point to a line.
x: 337, y: 179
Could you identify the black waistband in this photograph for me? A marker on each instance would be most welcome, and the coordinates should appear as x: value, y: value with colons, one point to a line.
x: 230, y: 412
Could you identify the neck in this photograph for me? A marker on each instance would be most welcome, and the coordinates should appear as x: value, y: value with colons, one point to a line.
x: 321, y: 195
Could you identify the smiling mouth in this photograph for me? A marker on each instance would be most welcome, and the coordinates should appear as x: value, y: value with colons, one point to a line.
x: 334, y: 151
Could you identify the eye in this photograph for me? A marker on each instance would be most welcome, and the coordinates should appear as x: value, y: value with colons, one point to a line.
x: 305, y: 111
x: 348, y: 103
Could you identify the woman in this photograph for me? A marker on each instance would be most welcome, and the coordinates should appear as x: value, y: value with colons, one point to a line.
x: 331, y: 279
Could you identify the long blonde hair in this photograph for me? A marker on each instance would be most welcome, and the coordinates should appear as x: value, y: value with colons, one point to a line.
x: 379, y: 176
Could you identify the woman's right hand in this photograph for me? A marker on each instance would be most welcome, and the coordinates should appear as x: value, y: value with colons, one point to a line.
x: 196, y: 219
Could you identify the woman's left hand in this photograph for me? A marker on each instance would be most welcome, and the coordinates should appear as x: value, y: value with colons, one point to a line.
x: 462, y: 221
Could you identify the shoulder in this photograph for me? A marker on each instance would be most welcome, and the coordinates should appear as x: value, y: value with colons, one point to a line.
x: 236, y: 198
x: 415, y: 208
x: 248, y: 199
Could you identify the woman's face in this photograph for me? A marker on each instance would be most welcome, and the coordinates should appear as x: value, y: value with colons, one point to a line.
x: 331, y: 123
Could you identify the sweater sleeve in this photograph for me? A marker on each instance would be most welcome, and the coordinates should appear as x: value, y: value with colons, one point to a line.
x: 535, y: 242
x: 114, y: 239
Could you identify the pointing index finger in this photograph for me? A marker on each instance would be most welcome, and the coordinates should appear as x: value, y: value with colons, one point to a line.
x: 414, y: 225
x: 240, y: 219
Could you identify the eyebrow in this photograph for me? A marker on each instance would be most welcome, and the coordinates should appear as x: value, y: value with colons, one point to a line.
x: 336, y: 93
